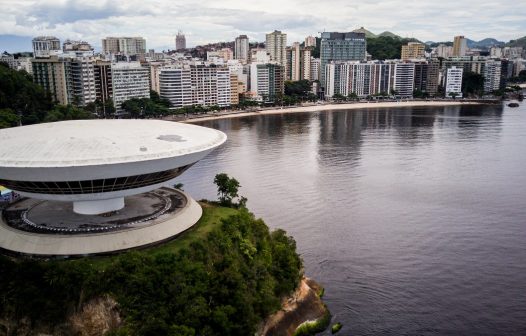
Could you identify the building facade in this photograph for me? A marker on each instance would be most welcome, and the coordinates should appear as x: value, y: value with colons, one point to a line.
x: 267, y: 81
x: 298, y: 62
x: 241, y: 48
x: 276, y: 45
x: 180, y: 41
x: 124, y: 45
x: 413, y: 50
x: 460, y: 46
x: 129, y: 80
x: 206, y: 85
x: 453, y: 83
x: 341, y: 47
x: 46, y: 46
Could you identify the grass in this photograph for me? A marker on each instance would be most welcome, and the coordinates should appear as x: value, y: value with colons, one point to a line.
x: 212, y: 216
x: 313, y: 327
x: 336, y: 327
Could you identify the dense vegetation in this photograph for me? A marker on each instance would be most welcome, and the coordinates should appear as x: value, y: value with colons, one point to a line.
x: 20, y: 99
x: 387, y: 47
x: 472, y: 84
x: 220, y: 278
x: 520, y: 42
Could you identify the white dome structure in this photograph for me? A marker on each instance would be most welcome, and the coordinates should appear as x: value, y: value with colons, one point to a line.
x: 98, y: 186
x: 96, y: 163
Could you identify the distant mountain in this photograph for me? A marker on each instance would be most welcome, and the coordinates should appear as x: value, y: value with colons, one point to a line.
x: 520, y: 42
x: 485, y: 43
x: 367, y: 33
x: 389, y: 34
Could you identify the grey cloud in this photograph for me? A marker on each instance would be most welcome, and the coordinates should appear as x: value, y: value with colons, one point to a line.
x: 52, y: 14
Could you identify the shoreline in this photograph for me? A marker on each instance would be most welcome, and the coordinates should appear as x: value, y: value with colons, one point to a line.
x: 325, y: 107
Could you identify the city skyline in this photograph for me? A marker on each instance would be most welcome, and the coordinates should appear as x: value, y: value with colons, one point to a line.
x: 159, y: 21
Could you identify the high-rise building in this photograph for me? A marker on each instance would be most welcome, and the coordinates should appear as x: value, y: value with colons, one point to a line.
x: 129, y: 80
x: 180, y: 41
x: 404, y: 79
x: 196, y: 85
x: 359, y: 78
x: 453, y: 87
x: 80, y: 76
x: 103, y: 81
x: 341, y: 47
x: 46, y: 46
x: 124, y: 45
x: 50, y: 73
x: 444, y: 51
x: 267, y: 81
x: 478, y: 65
x: 460, y: 46
x: 433, y: 73
x: 310, y: 41
x: 276, y: 45
x: 492, y: 75
x: 234, y: 95
x: 241, y: 48
x: 298, y: 62
x: 314, y: 69
x: 413, y: 50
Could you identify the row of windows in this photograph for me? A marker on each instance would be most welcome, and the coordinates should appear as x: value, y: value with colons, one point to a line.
x: 94, y: 186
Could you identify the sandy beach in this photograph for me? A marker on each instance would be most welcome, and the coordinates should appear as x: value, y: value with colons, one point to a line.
x: 326, y: 107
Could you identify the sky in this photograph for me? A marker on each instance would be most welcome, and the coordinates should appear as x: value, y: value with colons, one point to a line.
x: 207, y: 21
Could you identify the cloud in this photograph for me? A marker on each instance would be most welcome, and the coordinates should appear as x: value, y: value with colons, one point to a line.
x: 212, y: 21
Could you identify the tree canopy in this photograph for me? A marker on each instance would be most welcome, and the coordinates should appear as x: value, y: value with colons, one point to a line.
x: 472, y: 84
x: 387, y: 47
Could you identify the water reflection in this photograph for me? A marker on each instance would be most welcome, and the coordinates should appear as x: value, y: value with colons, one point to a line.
x: 414, y: 219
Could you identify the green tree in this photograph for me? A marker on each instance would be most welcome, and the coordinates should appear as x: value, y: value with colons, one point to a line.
x: 8, y: 118
x: 472, y: 84
x: 227, y: 188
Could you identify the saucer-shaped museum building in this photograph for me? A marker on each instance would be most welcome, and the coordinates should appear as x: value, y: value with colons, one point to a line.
x: 99, y: 182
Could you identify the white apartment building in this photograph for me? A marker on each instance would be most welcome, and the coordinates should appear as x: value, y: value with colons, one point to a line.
x: 360, y: 78
x: 454, y: 82
x: 315, y: 64
x: 276, y: 45
x: 258, y: 55
x: 186, y: 85
x: 129, y: 80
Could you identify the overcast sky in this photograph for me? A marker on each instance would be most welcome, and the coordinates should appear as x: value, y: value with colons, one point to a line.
x: 222, y: 20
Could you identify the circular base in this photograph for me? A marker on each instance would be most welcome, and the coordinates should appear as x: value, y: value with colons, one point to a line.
x: 22, y: 226
x: 98, y: 207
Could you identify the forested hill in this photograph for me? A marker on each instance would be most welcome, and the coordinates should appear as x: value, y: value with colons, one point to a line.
x: 220, y: 278
x: 387, y: 47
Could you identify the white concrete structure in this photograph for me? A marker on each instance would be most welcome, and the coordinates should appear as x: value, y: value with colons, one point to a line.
x: 96, y: 163
x: 154, y: 231
x: 453, y: 85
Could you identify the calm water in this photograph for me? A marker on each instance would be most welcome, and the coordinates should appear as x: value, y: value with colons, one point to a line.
x: 414, y: 219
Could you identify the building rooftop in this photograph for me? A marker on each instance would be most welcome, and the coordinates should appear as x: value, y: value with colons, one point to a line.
x: 99, y: 142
